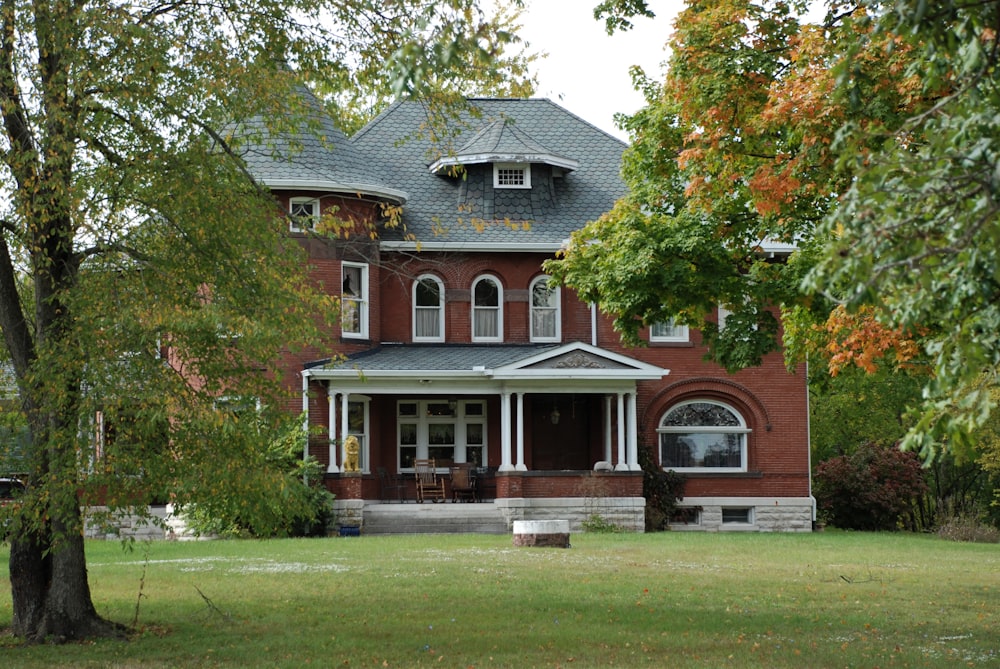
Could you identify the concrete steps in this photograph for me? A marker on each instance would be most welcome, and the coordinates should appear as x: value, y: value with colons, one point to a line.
x: 442, y: 518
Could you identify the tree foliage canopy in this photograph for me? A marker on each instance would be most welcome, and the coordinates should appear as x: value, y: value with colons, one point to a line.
x: 868, y: 140
x: 130, y: 223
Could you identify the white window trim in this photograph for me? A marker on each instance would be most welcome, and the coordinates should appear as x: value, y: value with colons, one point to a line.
x: 363, y: 437
x: 525, y: 167
x: 362, y: 301
x: 531, y: 312
x: 683, y: 337
x: 742, y: 430
x: 461, y: 419
x: 498, y: 308
x: 292, y: 220
x: 441, y: 309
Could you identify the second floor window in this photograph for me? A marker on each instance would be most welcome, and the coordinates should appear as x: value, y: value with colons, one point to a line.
x: 354, y: 300
x: 668, y: 331
x: 545, y: 320
x: 428, y: 309
x: 487, y: 310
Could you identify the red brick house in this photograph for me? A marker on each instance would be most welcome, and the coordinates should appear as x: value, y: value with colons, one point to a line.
x: 454, y: 347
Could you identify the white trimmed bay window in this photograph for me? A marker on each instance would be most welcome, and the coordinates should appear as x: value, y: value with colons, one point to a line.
x: 703, y: 436
x: 428, y: 309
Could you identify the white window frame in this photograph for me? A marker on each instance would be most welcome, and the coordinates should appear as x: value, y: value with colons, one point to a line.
x: 741, y: 430
x: 677, y: 333
x: 360, y: 301
x: 364, y: 456
x: 500, y: 169
x: 478, y: 310
x: 459, y: 417
x: 440, y: 309
x: 293, y: 219
x: 533, y: 309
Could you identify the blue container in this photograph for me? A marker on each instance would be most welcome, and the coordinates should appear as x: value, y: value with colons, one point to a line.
x: 350, y: 531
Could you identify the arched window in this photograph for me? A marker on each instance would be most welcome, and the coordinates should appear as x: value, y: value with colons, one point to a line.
x: 703, y: 435
x: 545, y: 318
x: 487, y: 309
x: 428, y: 309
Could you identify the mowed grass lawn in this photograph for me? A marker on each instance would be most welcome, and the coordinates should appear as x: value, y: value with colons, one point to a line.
x: 661, y: 600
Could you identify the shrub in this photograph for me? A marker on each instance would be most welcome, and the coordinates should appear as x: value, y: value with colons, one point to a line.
x: 969, y: 528
x: 662, y: 491
x: 871, y: 489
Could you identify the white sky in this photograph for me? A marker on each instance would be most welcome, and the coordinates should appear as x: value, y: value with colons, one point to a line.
x: 586, y: 71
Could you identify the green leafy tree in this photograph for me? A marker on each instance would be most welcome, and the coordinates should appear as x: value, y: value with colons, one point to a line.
x: 869, y: 140
x: 129, y: 225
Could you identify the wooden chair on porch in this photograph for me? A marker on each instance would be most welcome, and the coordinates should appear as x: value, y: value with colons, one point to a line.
x: 429, y: 484
x: 463, y: 483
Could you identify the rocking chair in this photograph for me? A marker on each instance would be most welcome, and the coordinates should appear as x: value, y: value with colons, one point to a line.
x: 429, y: 484
x: 463, y: 483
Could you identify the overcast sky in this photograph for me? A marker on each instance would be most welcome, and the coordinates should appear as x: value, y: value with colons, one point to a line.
x: 586, y: 71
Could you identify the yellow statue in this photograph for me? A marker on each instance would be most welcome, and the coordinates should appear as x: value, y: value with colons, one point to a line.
x: 351, y: 450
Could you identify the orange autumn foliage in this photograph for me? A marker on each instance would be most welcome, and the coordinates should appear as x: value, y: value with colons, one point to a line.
x: 860, y: 339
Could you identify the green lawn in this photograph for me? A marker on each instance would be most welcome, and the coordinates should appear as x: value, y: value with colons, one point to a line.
x: 672, y: 599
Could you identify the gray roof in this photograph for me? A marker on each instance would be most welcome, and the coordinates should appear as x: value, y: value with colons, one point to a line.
x: 502, y: 141
x: 316, y: 156
x: 431, y: 357
x: 464, y: 211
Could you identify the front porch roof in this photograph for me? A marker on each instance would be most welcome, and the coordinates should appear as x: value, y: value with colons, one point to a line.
x: 574, y: 362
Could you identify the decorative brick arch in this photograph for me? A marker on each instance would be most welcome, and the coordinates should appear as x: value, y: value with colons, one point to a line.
x: 705, y: 387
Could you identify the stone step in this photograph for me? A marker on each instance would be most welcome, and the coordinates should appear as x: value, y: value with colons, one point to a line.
x: 444, y: 518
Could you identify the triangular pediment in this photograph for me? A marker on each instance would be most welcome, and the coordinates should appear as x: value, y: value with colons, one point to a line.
x: 578, y: 359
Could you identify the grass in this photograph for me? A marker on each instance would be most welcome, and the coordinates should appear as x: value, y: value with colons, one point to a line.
x: 673, y: 599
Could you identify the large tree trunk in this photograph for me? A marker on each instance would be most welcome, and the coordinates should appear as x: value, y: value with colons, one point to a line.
x: 50, y: 591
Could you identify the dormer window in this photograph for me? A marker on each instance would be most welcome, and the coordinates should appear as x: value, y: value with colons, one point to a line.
x: 511, y: 175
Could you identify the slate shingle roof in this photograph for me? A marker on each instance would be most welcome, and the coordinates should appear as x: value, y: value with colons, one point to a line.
x: 463, y: 211
x: 501, y: 141
x: 431, y: 358
x: 316, y: 158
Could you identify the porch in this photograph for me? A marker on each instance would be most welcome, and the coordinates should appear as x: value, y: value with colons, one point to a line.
x: 573, y: 495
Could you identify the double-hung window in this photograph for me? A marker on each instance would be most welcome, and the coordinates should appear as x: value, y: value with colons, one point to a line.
x: 668, y: 331
x: 448, y: 431
x: 545, y: 319
x: 303, y: 214
x: 428, y: 309
x: 703, y: 435
x: 354, y: 300
x: 487, y: 310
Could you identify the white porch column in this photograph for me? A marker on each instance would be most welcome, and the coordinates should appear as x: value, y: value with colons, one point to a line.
x: 344, y: 397
x: 632, y: 456
x: 607, y: 428
x: 305, y: 418
x: 331, y: 397
x: 621, y: 466
x: 505, y: 463
x: 521, y: 467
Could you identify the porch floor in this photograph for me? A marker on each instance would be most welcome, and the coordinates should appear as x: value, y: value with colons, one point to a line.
x: 426, y: 518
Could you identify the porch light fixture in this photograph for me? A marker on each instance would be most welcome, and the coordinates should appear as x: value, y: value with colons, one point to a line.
x: 554, y: 416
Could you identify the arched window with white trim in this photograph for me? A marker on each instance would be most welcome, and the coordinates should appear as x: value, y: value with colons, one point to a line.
x: 703, y: 435
x: 428, y: 309
x: 487, y: 309
x: 545, y: 319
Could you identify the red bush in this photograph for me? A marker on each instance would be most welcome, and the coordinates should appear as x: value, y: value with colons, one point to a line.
x: 871, y: 489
